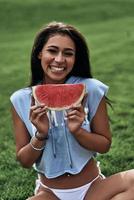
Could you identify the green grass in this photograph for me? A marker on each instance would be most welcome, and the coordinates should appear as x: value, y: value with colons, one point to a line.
x: 108, y: 27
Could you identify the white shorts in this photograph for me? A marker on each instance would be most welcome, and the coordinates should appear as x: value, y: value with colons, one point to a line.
x: 68, y: 194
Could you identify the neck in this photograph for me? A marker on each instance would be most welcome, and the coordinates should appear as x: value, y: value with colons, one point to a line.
x: 53, y: 82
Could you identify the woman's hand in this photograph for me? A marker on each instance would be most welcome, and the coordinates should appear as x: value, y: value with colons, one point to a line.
x: 38, y: 117
x: 75, y: 117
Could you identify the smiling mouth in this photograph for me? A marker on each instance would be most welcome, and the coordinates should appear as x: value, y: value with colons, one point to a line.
x: 57, y: 69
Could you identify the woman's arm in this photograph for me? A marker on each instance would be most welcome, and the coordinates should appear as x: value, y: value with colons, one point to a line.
x: 25, y: 154
x: 99, y: 140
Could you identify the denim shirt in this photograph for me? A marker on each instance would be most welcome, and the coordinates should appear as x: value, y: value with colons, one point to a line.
x: 62, y: 153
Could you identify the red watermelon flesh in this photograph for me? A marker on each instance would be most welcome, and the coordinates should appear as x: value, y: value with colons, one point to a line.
x: 59, y: 96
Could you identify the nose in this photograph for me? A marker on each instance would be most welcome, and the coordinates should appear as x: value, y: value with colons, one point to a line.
x: 59, y: 58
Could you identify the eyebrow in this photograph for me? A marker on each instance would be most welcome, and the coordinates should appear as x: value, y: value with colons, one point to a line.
x: 68, y: 49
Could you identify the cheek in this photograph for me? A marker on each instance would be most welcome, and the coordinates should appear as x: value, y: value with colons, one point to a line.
x: 71, y: 62
x: 46, y: 59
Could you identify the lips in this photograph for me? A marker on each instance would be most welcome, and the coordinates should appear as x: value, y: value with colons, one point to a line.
x: 57, y: 69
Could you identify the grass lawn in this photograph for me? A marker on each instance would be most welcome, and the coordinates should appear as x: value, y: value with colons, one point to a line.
x: 108, y: 27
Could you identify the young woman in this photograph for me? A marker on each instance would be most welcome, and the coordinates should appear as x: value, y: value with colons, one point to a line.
x: 64, y: 154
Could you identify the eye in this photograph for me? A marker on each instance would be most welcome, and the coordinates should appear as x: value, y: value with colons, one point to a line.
x: 69, y: 53
x: 52, y: 51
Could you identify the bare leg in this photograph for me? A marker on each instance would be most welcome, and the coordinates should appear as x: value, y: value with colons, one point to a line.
x: 116, y: 187
x: 43, y: 194
x: 128, y: 195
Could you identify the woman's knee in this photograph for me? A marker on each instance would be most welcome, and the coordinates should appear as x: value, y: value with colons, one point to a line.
x: 129, y: 178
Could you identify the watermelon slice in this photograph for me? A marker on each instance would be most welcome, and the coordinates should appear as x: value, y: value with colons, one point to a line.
x: 59, y: 96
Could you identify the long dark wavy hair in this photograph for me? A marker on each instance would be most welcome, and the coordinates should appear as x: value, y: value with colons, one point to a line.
x: 81, y: 66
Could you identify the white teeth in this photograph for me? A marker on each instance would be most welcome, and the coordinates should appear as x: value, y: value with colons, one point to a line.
x: 57, y: 69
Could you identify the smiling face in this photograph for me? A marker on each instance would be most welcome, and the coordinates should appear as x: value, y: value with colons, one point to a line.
x: 57, y: 58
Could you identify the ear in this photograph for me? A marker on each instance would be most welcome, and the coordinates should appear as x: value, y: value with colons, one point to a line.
x: 40, y: 55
